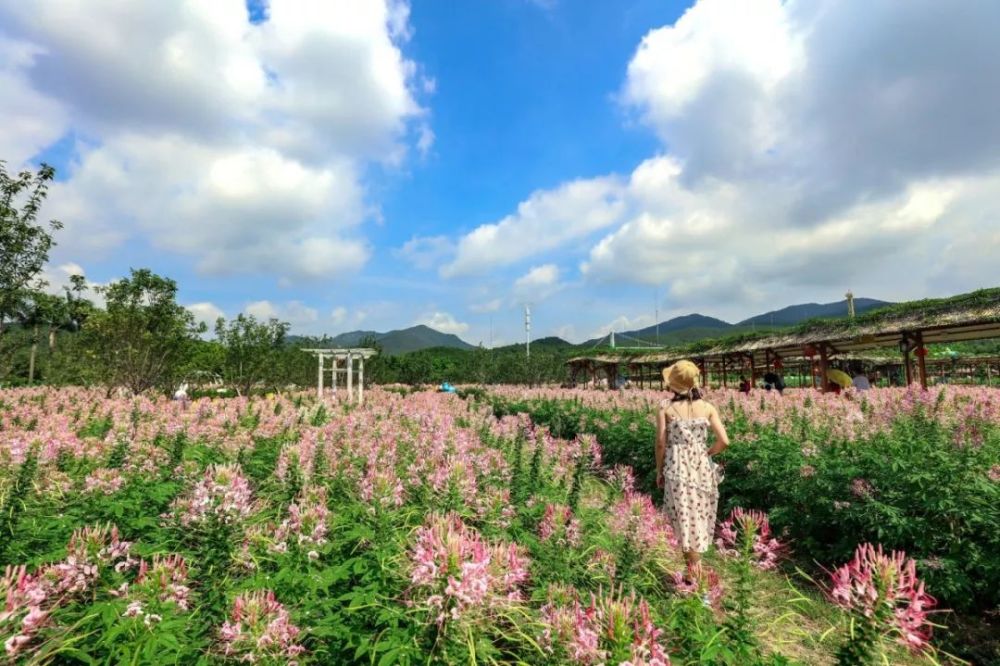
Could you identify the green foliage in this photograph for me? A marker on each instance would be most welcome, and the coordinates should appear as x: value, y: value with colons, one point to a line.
x: 932, y: 499
x: 141, y: 339
x: 250, y: 350
x: 24, y: 244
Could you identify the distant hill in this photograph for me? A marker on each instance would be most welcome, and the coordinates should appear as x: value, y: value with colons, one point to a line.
x: 551, y: 342
x: 403, y: 340
x: 796, y: 314
x: 694, y: 327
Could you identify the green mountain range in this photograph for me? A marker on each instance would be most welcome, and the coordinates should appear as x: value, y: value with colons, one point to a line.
x: 675, y: 331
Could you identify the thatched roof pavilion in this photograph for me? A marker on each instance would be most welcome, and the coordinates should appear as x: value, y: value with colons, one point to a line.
x: 906, y: 328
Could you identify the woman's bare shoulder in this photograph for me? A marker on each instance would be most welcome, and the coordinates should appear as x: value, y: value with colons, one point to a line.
x: 707, y: 408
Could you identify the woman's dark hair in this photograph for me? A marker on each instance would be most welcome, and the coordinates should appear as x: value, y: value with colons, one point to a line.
x: 690, y: 396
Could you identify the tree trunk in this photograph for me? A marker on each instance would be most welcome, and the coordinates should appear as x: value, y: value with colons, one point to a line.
x: 34, y: 353
x: 52, y: 338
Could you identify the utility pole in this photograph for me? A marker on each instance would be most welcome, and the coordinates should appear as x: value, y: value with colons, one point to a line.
x: 850, y: 304
x: 491, y: 332
x: 527, y: 331
x: 612, y: 338
x: 656, y: 316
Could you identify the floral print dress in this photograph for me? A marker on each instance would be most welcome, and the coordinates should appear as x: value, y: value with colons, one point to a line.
x: 691, y: 488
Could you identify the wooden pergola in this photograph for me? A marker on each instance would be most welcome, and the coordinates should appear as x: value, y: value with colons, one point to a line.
x: 907, y: 328
x: 343, y: 361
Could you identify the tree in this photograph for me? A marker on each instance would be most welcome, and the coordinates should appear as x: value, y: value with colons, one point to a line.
x: 36, y: 309
x: 24, y: 244
x: 142, y: 338
x: 78, y: 308
x: 251, y: 349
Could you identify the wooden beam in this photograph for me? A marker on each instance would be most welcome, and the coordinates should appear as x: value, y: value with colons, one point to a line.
x: 724, y: 380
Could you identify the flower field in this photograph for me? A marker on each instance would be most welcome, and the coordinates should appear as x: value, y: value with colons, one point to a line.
x: 423, y: 528
x: 916, y: 471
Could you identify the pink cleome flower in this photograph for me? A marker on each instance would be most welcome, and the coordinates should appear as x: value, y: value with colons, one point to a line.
x: 223, y: 494
x: 765, y: 550
x: 259, y: 628
x: 698, y: 580
x: 559, y: 525
x: 29, y: 599
x: 610, y: 626
x: 456, y: 574
x: 635, y: 517
x: 885, y: 588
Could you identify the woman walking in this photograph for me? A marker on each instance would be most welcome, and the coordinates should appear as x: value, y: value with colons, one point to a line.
x: 684, y: 466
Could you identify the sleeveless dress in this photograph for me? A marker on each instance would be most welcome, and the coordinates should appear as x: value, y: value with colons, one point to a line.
x: 691, y: 483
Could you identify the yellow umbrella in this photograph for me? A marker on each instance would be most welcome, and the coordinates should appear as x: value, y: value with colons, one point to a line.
x: 839, y: 377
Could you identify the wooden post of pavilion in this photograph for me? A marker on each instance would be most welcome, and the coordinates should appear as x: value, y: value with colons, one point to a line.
x: 921, y: 359
x: 907, y: 367
x: 724, y: 382
x: 753, y: 370
x: 704, y: 372
x: 823, y: 366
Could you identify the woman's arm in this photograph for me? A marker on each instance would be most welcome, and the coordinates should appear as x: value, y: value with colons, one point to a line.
x: 661, y: 443
x: 721, y: 436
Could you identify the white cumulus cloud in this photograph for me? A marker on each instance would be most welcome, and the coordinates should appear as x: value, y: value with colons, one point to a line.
x: 239, y: 145
x: 443, y: 322
x: 545, y: 221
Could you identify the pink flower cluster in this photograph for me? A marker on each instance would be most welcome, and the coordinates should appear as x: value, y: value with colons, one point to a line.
x: 862, y: 488
x: 29, y: 599
x: 559, y: 526
x: 885, y: 589
x: 700, y: 580
x: 259, y: 628
x: 634, y: 517
x: 622, y: 478
x: 611, y: 627
x: 306, y: 525
x: 457, y: 574
x: 165, y: 579
x: 104, y: 480
x: 223, y: 494
x: 742, y: 525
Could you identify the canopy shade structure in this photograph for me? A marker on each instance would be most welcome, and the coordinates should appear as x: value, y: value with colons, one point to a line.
x: 342, y: 363
x: 906, y: 327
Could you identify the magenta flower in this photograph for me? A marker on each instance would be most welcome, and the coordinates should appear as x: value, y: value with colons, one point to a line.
x: 223, y: 495
x: 862, y: 488
x: 306, y: 525
x: 165, y: 579
x: 559, y: 525
x: 634, y: 517
x: 702, y: 581
x: 885, y: 590
x: 613, y: 628
x: 30, y: 598
x: 259, y: 628
x: 456, y: 574
x: 748, y: 533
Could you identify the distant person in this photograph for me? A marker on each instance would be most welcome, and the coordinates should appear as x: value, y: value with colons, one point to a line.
x: 774, y: 381
x: 861, y: 381
x: 181, y: 394
x: 744, y: 385
x: 684, y: 466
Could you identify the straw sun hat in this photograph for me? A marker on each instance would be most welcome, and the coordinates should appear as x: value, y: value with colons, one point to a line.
x: 681, y: 377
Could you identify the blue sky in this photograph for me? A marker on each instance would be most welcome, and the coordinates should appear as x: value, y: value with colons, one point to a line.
x: 343, y: 165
